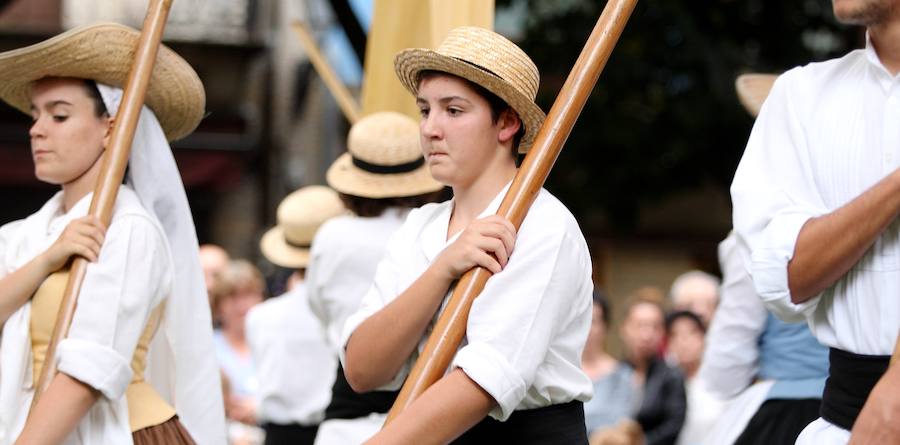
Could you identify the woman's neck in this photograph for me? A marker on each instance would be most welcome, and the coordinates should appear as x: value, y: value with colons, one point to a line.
x: 597, y: 363
x: 234, y: 335
x: 78, y: 188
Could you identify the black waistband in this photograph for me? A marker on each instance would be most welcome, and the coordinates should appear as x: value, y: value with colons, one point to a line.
x: 347, y: 404
x: 554, y: 424
x: 388, y: 169
x: 850, y: 380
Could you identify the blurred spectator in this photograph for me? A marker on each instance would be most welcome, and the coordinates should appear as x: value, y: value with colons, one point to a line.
x: 213, y: 259
x: 241, y: 287
x: 285, y: 337
x: 696, y: 291
x: 662, y: 407
x: 686, y: 341
x: 614, y: 390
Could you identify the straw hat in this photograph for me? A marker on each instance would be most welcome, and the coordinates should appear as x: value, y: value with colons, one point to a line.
x: 383, y: 159
x: 299, y: 216
x: 487, y: 59
x: 104, y: 52
x: 752, y: 90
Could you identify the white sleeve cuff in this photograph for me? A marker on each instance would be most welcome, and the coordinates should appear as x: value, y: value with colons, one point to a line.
x: 770, y: 266
x: 494, y: 374
x: 97, y: 366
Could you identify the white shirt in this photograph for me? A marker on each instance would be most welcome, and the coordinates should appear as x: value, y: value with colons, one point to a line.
x: 827, y: 132
x: 527, y: 329
x: 345, y: 252
x: 132, y: 277
x: 294, y: 363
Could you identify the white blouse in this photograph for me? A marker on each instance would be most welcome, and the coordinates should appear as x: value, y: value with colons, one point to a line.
x: 345, y: 252
x: 527, y: 329
x: 294, y: 363
x: 132, y: 277
x: 827, y: 132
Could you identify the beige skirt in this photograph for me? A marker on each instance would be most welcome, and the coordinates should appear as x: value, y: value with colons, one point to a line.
x: 170, y: 432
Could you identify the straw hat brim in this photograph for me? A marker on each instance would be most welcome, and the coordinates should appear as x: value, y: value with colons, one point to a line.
x: 104, y: 53
x: 280, y: 253
x: 753, y: 89
x: 410, y: 62
x: 349, y: 179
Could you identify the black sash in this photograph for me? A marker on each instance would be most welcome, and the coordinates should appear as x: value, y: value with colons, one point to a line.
x: 850, y: 380
x: 347, y: 404
x: 561, y: 424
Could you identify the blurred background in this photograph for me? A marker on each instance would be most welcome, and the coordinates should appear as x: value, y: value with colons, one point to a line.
x: 646, y: 170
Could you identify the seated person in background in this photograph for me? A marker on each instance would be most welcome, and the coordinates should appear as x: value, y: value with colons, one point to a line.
x: 663, y: 405
x: 614, y: 393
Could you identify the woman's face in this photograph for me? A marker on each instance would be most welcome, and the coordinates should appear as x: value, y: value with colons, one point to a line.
x: 67, y: 136
x: 686, y: 341
x: 642, y: 331
x: 597, y: 334
x: 459, y: 138
x: 233, y: 308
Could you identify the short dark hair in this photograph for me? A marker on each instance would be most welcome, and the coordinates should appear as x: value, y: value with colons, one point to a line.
x: 370, y: 207
x: 93, y: 93
x: 497, y: 104
x: 675, y: 316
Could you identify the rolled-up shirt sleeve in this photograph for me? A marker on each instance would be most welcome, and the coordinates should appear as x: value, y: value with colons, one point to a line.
x: 119, y: 292
x: 522, y: 312
x: 774, y: 194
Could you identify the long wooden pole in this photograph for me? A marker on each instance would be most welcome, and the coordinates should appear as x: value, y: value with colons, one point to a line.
x: 115, y: 159
x: 450, y: 328
x: 340, y: 92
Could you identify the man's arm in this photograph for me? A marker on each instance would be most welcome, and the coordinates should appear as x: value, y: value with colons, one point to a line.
x: 445, y: 411
x: 879, y: 420
x: 829, y: 245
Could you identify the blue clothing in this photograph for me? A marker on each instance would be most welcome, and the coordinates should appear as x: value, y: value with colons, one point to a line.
x: 241, y: 372
x: 614, y: 399
x: 790, y: 355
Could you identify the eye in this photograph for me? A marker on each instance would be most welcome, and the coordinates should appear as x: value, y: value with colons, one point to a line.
x: 423, y: 111
x: 59, y: 118
x: 454, y: 111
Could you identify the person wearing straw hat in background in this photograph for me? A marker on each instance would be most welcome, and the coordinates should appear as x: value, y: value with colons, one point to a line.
x: 520, y: 362
x: 816, y: 200
x: 144, y: 300
x: 380, y: 178
x: 294, y: 363
x: 771, y: 372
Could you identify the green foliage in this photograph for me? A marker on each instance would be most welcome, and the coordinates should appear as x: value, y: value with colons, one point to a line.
x: 664, y: 117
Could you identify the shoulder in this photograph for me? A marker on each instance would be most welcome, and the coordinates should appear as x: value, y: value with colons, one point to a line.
x: 807, y: 82
x: 549, y: 219
x: 130, y: 216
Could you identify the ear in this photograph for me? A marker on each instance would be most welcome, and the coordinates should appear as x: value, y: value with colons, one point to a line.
x: 110, y: 122
x: 509, y: 124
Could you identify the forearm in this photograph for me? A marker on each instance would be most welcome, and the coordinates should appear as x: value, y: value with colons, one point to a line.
x: 17, y: 287
x: 58, y: 412
x: 829, y: 245
x: 380, y: 345
x: 445, y: 411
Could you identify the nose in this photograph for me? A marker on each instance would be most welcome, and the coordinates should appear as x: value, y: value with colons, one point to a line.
x: 37, y: 129
x: 429, y: 126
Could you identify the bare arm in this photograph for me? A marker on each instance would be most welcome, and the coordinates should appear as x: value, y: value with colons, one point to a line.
x: 445, y: 411
x: 58, y: 412
x: 829, y: 245
x: 381, y: 345
x: 82, y: 236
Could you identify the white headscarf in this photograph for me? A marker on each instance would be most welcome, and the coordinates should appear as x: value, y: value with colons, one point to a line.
x: 181, y: 364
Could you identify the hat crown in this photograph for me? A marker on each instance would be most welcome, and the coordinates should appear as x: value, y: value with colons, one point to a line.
x: 493, y: 53
x: 385, y: 138
x: 301, y: 213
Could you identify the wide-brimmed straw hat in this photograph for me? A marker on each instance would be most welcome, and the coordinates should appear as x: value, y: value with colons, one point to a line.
x: 487, y: 59
x: 104, y: 52
x: 299, y: 216
x: 383, y: 159
x: 752, y: 90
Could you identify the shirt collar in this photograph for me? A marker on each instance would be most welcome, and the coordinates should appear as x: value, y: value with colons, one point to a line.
x: 434, y: 234
x: 882, y: 75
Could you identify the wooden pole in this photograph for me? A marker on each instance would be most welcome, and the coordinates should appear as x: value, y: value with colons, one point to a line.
x: 115, y: 159
x: 340, y: 92
x: 450, y: 328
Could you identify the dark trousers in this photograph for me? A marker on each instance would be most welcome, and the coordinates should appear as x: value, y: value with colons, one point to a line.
x: 779, y: 421
x: 293, y: 434
x: 551, y: 425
